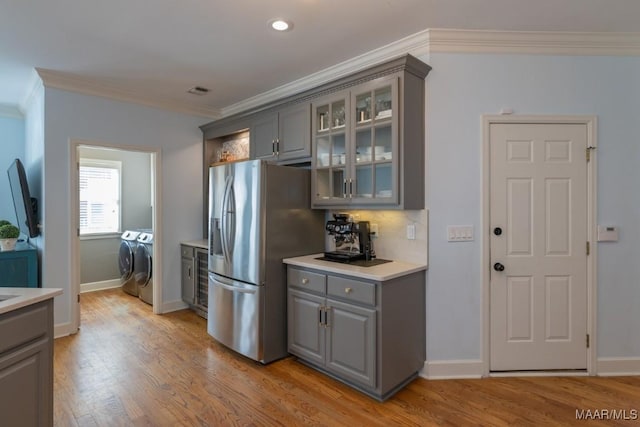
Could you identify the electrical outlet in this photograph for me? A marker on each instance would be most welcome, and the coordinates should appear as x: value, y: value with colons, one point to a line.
x: 373, y: 229
x: 411, y: 232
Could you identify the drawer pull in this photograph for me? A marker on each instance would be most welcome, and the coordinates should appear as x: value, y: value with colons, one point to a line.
x: 305, y: 281
x: 347, y: 290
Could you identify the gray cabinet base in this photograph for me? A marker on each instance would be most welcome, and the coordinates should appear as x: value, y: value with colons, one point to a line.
x: 368, y: 392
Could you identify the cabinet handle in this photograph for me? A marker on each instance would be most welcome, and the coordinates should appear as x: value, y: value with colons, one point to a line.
x: 326, y: 316
x: 273, y: 147
x: 277, y: 146
x: 320, y: 309
x: 348, y: 290
x: 344, y: 192
x: 305, y: 280
x: 189, y: 272
x: 350, y: 188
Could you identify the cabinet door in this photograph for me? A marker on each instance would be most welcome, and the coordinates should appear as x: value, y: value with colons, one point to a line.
x: 351, y: 342
x: 330, y: 151
x: 26, y: 385
x: 375, y: 150
x: 294, y: 136
x: 188, y: 280
x: 306, y: 335
x: 262, y: 136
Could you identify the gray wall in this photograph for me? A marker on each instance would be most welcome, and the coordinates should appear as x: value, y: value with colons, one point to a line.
x: 99, y: 256
x: 72, y: 116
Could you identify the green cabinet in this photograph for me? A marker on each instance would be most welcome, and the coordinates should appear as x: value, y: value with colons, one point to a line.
x: 19, y: 268
x: 368, y: 334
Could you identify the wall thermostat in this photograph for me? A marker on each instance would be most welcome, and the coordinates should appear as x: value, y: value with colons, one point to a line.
x: 607, y: 233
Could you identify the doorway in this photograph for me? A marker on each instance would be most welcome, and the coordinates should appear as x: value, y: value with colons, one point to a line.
x: 130, y: 174
x: 538, y: 251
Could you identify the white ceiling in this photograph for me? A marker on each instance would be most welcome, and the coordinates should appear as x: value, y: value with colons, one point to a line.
x: 161, y: 48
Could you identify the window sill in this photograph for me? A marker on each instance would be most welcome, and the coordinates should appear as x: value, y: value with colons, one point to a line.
x: 99, y: 236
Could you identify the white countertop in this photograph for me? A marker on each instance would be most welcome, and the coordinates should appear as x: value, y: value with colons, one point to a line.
x: 382, y: 272
x: 22, y: 297
x: 203, y: 243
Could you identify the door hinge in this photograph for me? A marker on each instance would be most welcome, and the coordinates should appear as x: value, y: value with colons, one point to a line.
x: 588, y: 341
x: 588, y: 248
x: 588, y: 151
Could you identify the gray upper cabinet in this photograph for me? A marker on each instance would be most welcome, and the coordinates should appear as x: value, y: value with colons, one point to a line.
x: 368, y: 145
x: 283, y: 135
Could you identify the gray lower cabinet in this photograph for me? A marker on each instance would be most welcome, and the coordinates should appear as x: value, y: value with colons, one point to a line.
x: 26, y: 366
x: 368, y: 334
x: 195, y: 284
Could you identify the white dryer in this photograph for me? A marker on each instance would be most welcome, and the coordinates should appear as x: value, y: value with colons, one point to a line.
x: 143, y: 269
x: 126, y: 261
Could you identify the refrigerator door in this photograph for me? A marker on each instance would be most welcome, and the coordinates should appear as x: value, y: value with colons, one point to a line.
x: 235, y: 315
x: 235, y: 221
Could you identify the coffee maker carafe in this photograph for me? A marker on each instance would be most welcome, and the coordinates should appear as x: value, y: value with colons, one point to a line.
x: 352, y: 239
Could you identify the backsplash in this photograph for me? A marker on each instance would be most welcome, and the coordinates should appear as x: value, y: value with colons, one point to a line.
x: 392, y: 242
x: 238, y: 147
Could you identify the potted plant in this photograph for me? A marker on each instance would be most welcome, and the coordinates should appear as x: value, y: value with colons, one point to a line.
x: 8, y: 237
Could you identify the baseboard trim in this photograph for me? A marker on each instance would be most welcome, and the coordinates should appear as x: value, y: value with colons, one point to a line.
x: 62, y: 330
x: 452, y: 369
x: 99, y: 286
x: 618, y: 366
x: 170, y: 306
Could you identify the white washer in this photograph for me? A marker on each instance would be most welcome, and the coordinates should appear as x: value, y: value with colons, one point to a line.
x: 126, y: 261
x: 143, y: 268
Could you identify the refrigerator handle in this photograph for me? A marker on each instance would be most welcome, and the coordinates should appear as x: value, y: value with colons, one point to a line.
x: 231, y: 211
x: 231, y: 287
x: 224, y: 222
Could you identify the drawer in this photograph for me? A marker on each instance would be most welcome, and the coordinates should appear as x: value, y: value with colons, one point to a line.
x: 23, y: 325
x: 187, y: 251
x: 306, y: 280
x: 351, y: 290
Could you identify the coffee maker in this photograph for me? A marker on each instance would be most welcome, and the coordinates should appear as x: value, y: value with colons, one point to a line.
x: 352, y: 239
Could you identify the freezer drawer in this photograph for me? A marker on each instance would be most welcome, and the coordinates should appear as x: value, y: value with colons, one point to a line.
x: 235, y: 315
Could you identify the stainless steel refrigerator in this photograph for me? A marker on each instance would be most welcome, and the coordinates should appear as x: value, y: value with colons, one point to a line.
x: 259, y: 213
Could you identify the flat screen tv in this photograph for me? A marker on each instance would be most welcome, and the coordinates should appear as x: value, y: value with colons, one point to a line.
x: 26, y: 207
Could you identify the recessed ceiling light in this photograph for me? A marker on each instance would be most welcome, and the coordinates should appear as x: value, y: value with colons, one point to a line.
x: 280, y: 25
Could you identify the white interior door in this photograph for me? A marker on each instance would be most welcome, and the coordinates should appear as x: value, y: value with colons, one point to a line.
x: 538, y: 243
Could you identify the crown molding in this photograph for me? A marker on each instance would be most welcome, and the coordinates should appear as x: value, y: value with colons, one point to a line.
x: 12, y: 111
x: 434, y: 40
x: 74, y: 83
x: 415, y: 44
x: 457, y: 41
x: 534, y: 42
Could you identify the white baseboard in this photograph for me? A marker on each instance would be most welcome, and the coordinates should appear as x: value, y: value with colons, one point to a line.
x: 618, y: 366
x: 170, y: 306
x: 450, y: 369
x: 98, y: 286
x: 62, y: 330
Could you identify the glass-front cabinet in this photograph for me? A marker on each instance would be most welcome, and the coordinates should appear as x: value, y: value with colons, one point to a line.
x: 355, y: 145
x: 330, y: 139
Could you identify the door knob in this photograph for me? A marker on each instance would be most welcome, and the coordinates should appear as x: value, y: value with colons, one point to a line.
x: 498, y: 267
x: 497, y: 231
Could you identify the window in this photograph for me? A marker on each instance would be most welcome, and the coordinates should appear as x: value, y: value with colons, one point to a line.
x: 99, y: 196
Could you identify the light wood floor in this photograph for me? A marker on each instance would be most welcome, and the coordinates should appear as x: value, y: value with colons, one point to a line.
x: 129, y: 367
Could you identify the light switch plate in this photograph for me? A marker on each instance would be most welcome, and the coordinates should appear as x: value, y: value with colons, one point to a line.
x: 460, y: 233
